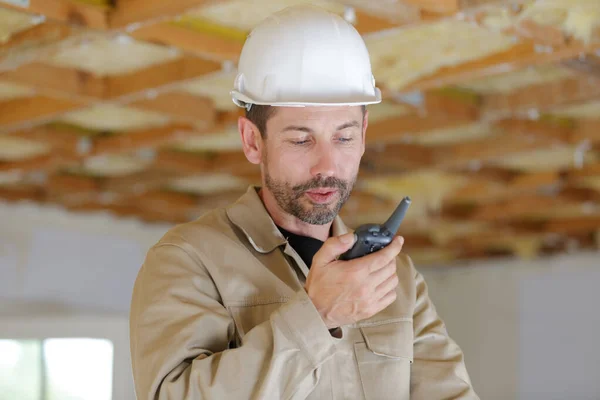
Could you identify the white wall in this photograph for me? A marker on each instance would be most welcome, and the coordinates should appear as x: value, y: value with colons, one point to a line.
x: 527, y: 328
x: 70, y: 275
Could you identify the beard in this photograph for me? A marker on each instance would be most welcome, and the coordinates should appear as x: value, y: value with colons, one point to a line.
x: 290, y: 198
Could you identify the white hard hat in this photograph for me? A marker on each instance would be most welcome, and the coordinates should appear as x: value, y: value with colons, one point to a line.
x: 302, y: 56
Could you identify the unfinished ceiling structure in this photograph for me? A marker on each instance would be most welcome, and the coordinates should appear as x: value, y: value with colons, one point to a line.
x: 491, y: 118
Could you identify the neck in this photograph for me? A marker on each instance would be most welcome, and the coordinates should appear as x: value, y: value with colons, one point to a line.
x: 291, y: 223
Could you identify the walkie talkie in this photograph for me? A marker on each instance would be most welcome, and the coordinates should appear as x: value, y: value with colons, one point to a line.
x: 373, y: 237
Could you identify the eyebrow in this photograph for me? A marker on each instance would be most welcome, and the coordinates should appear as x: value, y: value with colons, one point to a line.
x: 353, y: 124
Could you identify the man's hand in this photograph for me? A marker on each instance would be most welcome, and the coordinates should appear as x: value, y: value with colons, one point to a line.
x: 346, y: 292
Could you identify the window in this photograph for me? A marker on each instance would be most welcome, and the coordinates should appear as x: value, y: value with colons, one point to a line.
x: 56, y: 369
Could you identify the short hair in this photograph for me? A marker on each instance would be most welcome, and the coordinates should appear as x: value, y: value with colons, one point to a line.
x: 260, y: 114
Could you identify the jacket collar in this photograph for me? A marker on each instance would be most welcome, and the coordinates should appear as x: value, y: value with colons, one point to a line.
x: 249, y: 214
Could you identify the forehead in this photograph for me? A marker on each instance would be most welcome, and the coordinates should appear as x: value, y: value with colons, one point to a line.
x: 322, y: 116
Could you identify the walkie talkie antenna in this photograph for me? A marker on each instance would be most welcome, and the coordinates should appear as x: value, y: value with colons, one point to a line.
x: 394, y: 221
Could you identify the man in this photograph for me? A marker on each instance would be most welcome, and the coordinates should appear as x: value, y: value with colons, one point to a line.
x: 250, y: 301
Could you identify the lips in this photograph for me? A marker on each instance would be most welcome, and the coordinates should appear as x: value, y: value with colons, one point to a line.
x: 321, y: 191
x: 321, y: 195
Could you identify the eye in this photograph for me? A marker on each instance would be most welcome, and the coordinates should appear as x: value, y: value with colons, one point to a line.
x: 345, y: 139
x: 300, y: 142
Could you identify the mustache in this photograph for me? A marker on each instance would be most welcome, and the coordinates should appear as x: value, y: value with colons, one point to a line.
x: 318, y: 183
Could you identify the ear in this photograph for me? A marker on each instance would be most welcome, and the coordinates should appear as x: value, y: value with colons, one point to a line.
x: 251, y: 140
x: 364, y: 132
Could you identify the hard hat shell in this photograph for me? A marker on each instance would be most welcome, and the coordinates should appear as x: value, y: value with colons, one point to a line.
x: 303, y: 56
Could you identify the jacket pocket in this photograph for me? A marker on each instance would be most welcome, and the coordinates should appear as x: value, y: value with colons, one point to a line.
x: 384, y: 360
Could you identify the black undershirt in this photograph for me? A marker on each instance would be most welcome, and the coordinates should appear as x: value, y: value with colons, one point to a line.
x: 305, y: 246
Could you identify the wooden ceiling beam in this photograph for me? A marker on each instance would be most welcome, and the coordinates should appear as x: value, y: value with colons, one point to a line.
x: 197, y: 38
x: 587, y: 129
x: 183, y: 106
x: 148, y: 180
x: 39, y: 35
x: 61, y: 140
x: 26, y: 111
x: 437, y: 6
x: 139, y: 139
x: 59, y: 81
x: 400, y: 156
x: 542, y: 97
x: 523, y: 206
x: 461, y: 101
x: 559, y: 131
x: 31, y: 164
x: 70, y: 148
x: 522, y: 54
x: 230, y: 162
x: 17, y: 193
x: 569, y: 226
x: 128, y: 12
x: 395, y: 129
x: 69, y: 185
x: 202, y: 44
x: 161, y: 75
x: 67, y: 11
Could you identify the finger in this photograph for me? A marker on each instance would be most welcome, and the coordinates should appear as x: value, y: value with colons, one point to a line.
x: 381, y: 258
x: 391, y: 283
x: 379, y: 276
x: 387, y: 299
x: 333, y: 247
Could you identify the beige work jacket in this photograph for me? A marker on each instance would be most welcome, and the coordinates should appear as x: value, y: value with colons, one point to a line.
x: 219, y: 312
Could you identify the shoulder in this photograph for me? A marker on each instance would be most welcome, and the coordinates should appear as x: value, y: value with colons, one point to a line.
x: 208, y: 230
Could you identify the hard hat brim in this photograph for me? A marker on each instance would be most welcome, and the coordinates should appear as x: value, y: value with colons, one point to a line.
x: 241, y: 100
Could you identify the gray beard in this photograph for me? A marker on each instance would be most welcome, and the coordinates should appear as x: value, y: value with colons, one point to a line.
x: 289, y: 198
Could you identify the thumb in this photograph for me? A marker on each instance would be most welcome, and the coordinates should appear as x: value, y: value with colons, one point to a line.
x: 333, y: 247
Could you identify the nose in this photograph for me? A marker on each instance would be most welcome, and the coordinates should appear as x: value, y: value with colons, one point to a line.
x: 324, y: 161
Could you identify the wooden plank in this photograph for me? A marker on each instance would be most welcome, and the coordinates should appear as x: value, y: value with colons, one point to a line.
x: 586, y: 224
x: 530, y: 205
x: 203, y: 44
x: 68, y: 11
x: 400, y: 156
x: 453, y: 102
x: 542, y: 96
x: 587, y: 129
x: 460, y: 101
x: 62, y: 140
x: 369, y: 23
x: 146, y: 138
x: 395, y: 129
x: 141, y: 182
x: 68, y: 184
x: 231, y: 162
x: 28, y: 110
x: 59, y: 80
x: 397, y: 157
x: 181, y: 105
x: 524, y: 53
x: 488, y: 149
x: 436, y: 6
x: 31, y: 164
x: 16, y: 193
x: 132, y: 11
x: 38, y: 35
x: 560, y: 131
x: 181, y: 69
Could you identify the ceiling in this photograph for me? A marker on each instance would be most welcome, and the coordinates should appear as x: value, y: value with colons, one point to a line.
x: 491, y: 118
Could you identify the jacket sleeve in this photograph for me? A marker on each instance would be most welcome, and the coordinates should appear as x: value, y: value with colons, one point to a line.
x: 438, y: 370
x: 180, y: 335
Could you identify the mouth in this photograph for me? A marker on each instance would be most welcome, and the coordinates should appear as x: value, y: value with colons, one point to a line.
x: 321, y: 196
